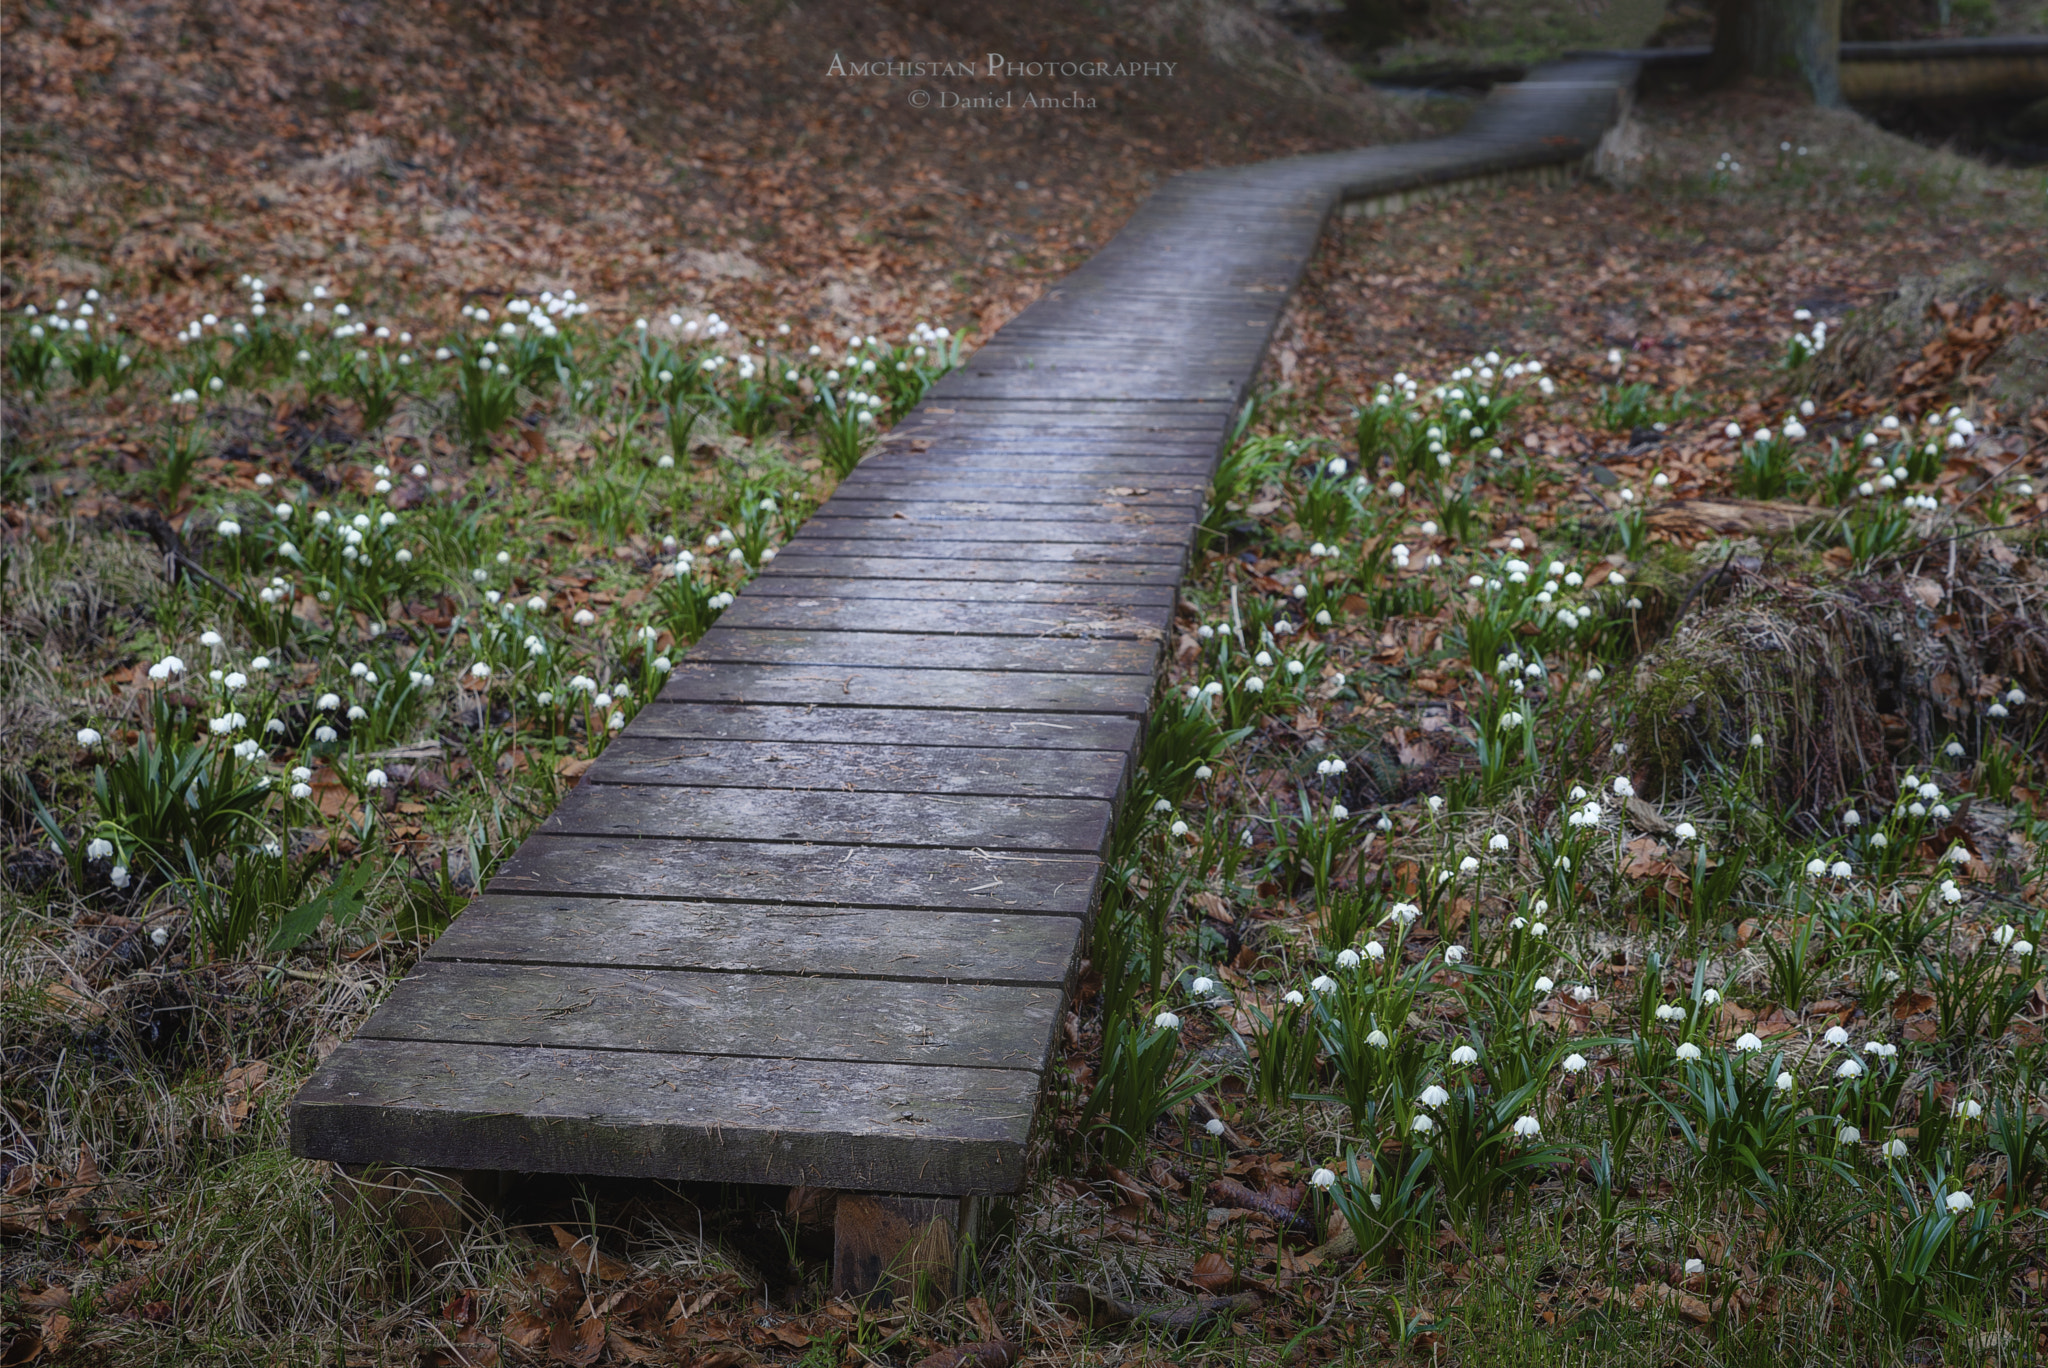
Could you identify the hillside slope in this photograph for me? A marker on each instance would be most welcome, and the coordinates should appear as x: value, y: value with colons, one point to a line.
x: 702, y: 152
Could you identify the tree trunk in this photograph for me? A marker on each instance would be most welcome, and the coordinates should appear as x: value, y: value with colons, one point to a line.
x: 1781, y: 40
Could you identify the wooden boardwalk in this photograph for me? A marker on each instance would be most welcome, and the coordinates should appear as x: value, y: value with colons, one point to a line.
x: 813, y: 917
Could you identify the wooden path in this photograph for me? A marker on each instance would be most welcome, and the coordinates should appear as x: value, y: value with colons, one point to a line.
x: 813, y: 916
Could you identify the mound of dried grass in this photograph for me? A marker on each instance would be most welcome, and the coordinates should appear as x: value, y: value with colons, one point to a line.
x: 1841, y: 677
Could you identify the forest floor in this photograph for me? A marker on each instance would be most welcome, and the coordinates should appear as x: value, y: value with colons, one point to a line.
x: 156, y: 1022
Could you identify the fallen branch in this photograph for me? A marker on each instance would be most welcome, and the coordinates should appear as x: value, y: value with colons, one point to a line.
x: 1099, y: 1308
x: 1228, y: 1192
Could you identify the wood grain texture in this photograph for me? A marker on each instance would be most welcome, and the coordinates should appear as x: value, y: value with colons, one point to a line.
x: 931, y: 615
x: 857, y: 726
x: 614, y: 1113
x: 764, y: 938
x: 827, y: 685
x: 796, y: 583
x: 766, y: 1016
x: 832, y: 817
x: 882, y: 561
x: 1001, y: 884
x: 864, y: 768
x: 927, y: 651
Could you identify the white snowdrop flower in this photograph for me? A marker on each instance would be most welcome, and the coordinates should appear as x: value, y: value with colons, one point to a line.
x: 1454, y: 954
x: 1848, y: 1135
x: 1375, y: 951
x: 601, y: 702
x: 1544, y: 983
x: 1464, y: 1056
x: 376, y: 779
x: 1166, y: 1021
x: 1385, y: 823
x: 99, y: 848
x: 480, y: 670
x: 1254, y: 684
x: 1323, y: 1178
x: 2016, y: 695
x: 1434, y: 1097
x: 1574, y: 1063
x: 1968, y: 1109
x: 1840, y: 869
x: 1323, y: 983
x: 1954, y: 750
x: 1528, y: 1128
x: 1377, y: 1039
x: 1996, y: 710
x: 1816, y: 868
x: 1436, y: 804
x: 1785, y: 1082
x: 1179, y: 829
x: 1748, y: 1042
x: 1688, y: 1051
x: 1836, y: 1036
x: 1584, y: 992
x: 1693, y: 1266
x: 1949, y: 892
x: 1215, y: 1127
x: 1756, y: 740
x: 1894, y: 1149
x: 1959, y: 1202
x: 118, y: 877
x: 1917, y: 809
x: 1497, y: 842
x: 1623, y: 788
x: 1510, y: 720
x: 1668, y: 1012
x: 2022, y: 948
x: 1203, y: 772
x: 88, y: 736
x: 1423, y: 1124
x: 1293, y: 998
x: 1339, y: 813
x: 1850, y: 1068
x: 583, y: 617
x: 1929, y: 790
x: 1468, y: 865
x: 326, y: 735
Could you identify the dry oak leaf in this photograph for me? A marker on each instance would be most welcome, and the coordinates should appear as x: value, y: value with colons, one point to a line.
x: 589, y: 1259
x: 1213, y: 1274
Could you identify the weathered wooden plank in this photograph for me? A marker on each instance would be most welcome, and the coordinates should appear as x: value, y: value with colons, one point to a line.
x: 960, y: 521
x: 767, y: 1016
x: 987, y: 463
x: 885, y: 562
x: 1083, y: 595
x: 935, y: 616
x: 1075, y: 655
x: 867, y: 686
x: 1021, y: 488
x: 826, y: 817
x: 761, y: 938
x: 1093, y: 510
x: 1032, y: 553
x: 866, y: 768
x: 879, y: 727
x: 833, y: 876
x: 615, y: 1113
